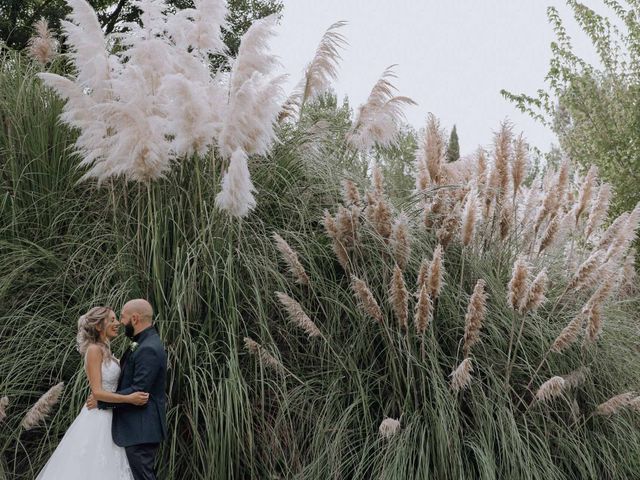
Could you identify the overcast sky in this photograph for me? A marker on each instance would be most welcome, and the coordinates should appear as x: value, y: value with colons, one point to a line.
x: 452, y: 56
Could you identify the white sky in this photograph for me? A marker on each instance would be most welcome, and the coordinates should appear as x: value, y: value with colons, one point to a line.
x: 453, y: 56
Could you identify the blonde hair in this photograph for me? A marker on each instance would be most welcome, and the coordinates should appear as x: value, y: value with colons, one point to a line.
x: 89, y: 328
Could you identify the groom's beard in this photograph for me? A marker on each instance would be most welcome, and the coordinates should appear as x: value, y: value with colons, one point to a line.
x: 128, y: 330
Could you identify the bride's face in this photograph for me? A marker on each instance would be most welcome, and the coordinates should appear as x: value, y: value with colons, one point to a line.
x: 112, y: 326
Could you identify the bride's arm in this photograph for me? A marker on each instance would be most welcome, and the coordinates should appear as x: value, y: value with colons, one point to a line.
x: 94, y: 372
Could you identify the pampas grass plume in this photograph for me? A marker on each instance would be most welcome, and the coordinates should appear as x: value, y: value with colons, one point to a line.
x: 42, y: 407
x: 297, y: 315
x: 399, y: 298
x: 366, y: 299
x: 461, y: 376
x: 476, y: 312
x: 291, y: 259
x: 550, y: 389
x: 389, y: 427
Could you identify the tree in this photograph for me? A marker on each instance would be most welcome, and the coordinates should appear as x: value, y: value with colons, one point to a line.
x: 18, y: 16
x: 594, y: 109
x: 453, y: 148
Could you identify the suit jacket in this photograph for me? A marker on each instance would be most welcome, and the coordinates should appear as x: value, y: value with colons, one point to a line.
x: 143, y: 370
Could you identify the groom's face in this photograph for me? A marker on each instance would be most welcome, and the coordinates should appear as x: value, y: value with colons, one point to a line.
x: 126, y: 319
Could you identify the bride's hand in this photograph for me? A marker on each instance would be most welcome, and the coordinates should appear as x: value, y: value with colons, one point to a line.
x: 138, y: 398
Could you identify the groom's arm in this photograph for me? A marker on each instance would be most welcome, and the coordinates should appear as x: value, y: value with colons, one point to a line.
x: 145, y: 369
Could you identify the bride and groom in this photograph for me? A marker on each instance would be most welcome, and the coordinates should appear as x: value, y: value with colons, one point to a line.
x: 119, y: 439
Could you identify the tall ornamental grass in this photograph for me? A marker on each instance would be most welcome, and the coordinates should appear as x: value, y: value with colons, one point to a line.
x: 482, y: 325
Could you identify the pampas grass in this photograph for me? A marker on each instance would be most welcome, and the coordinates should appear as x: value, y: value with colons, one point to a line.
x: 265, y: 357
x: 568, y: 335
x: 615, y: 404
x: 236, y: 196
x: 399, y: 298
x: 519, y: 284
x: 4, y: 403
x: 476, y: 312
x: 291, y: 259
x: 400, y: 241
x: 297, y: 315
x: 43, y: 47
x: 41, y: 409
x: 551, y: 389
x: 379, y: 118
x: 366, y: 300
x: 423, y: 314
x: 536, y: 294
x: 435, y: 275
x: 389, y: 427
x: 461, y: 376
x: 321, y: 71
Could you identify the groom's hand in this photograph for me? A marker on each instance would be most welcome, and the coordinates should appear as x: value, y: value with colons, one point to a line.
x: 91, y: 402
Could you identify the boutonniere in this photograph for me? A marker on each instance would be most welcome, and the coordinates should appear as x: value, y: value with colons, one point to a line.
x: 133, y: 346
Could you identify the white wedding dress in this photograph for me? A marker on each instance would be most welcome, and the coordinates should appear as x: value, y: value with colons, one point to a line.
x: 86, y: 450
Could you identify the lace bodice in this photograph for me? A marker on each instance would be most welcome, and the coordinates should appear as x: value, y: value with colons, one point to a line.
x: 110, y: 375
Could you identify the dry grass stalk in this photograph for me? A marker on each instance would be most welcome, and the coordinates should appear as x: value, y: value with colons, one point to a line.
x: 265, y: 357
x: 613, y: 231
x: 297, y: 315
x: 43, y: 47
x: 291, y: 259
x: 568, y: 335
x: 502, y: 153
x: 594, y: 325
x: 423, y: 275
x: 422, y: 177
x: 350, y: 193
x: 40, y: 410
x: 366, y: 300
x: 519, y: 284
x: 550, y: 389
x: 448, y: 229
x: 379, y: 215
x: 433, y: 148
x: 319, y: 73
x: 548, y: 209
x: 400, y: 240
x: 476, y: 312
x: 334, y: 233
x: 506, y: 220
x: 469, y: 218
x: 377, y: 181
x: 4, y: 403
x: 423, y: 311
x: 535, y: 296
x: 347, y: 222
x: 389, y: 427
x: 549, y: 234
x: 461, y: 376
x: 576, y: 378
x: 615, y: 404
x: 519, y: 163
x: 563, y: 180
x: 399, y: 298
x: 586, y: 271
x: 586, y: 191
x: 436, y: 273
x: 598, y: 210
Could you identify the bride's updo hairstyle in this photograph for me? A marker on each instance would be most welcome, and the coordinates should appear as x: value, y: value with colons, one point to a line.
x: 90, y: 326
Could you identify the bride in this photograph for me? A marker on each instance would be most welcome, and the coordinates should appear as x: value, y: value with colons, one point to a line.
x: 87, y: 449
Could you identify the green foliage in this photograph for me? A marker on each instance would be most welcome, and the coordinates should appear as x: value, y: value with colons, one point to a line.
x: 594, y: 109
x: 453, y: 147
x: 66, y: 247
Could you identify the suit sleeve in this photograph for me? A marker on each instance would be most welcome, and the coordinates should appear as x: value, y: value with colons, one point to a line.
x: 145, y: 370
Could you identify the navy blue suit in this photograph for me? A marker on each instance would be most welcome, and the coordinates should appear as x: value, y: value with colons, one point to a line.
x: 140, y: 429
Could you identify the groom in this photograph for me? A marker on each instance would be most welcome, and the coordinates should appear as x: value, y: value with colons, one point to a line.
x: 143, y: 369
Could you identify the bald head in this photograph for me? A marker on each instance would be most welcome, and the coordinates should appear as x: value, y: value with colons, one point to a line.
x: 138, y: 313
